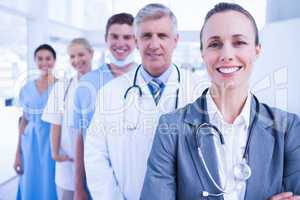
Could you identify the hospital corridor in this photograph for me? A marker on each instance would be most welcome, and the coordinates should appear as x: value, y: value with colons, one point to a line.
x: 87, y: 87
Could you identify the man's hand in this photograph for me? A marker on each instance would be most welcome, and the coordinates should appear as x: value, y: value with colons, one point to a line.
x: 285, y: 196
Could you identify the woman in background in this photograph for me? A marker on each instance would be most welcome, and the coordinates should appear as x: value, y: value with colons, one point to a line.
x: 33, y: 157
x: 58, y: 112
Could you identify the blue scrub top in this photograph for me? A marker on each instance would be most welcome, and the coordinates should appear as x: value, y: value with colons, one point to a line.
x: 85, y: 96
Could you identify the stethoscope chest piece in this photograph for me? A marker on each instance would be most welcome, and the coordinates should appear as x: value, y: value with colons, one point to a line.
x: 242, y: 171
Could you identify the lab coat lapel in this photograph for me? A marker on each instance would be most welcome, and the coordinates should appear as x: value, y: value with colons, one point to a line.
x: 135, y: 107
x: 147, y: 97
x: 195, y: 116
x: 142, y: 110
x: 260, y: 154
x: 167, y: 99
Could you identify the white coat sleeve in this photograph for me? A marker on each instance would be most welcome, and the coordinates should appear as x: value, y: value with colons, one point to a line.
x: 100, y: 176
x: 53, y: 110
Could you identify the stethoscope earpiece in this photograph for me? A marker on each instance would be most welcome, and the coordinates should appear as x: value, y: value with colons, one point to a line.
x: 205, y: 194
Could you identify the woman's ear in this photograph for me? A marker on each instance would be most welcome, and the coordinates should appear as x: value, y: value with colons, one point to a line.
x: 257, y: 50
x: 92, y: 53
x: 202, y: 54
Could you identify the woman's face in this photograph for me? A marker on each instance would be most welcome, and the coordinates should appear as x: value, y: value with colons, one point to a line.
x: 45, y: 61
x: 80, y: 58
x: 229, y: 49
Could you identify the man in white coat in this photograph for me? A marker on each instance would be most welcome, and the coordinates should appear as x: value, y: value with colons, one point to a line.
x: 121, y: 132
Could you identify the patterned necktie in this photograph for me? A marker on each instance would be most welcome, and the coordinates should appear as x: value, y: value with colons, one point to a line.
x: 156, y: 87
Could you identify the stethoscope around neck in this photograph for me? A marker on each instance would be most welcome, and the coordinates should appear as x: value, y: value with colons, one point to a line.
x: 241, y: 171
x: 135, y: 86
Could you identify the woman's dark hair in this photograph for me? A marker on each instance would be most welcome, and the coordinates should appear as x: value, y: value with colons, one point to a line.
x: 121, y: 18
x: 223, y: 7
x: 45, y: 47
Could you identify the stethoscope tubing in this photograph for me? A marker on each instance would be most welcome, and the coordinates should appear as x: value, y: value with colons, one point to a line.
x: 135, y: 85
x: 206, y: 124
x: 140, y: 93
x: 250, y: 130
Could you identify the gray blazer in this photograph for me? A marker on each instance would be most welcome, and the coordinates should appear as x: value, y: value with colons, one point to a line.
x: 175, y: 170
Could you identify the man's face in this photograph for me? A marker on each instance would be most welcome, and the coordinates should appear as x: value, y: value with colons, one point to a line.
x: 120, y: 40
x: 156, y: 42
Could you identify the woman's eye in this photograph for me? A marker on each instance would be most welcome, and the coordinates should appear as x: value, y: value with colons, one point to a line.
x: 240, y: 43
x: 214, y: 45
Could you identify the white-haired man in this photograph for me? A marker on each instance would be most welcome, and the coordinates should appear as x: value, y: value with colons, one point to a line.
x: 120, y: 136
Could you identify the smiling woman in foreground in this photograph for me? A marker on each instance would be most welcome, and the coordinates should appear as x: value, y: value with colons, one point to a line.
x: 226, y: 145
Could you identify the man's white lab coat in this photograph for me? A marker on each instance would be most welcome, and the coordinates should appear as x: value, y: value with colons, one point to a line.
x: 115, y: 153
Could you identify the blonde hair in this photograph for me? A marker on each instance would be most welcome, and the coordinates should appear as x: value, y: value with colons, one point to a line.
x: 83, y: 42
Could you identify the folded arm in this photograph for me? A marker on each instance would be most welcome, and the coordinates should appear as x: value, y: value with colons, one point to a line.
x: 292, y: 156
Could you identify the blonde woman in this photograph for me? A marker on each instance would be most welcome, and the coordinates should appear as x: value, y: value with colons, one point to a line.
x: 59, y: 111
